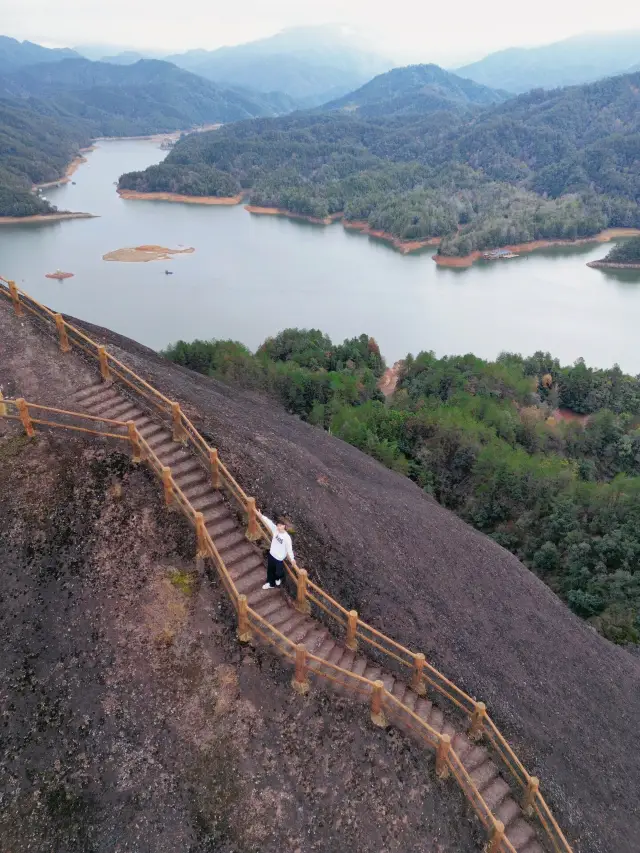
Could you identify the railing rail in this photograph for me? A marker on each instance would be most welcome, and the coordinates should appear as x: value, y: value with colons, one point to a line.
x: 424, y: 675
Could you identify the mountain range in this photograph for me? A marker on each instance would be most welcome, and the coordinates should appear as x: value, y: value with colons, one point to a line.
x: 580, y: 59
x: 16, y: 54
x: 416, y: 90
x: 311, y: 64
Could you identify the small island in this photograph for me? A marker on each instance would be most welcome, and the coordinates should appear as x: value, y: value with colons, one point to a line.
x: 624, y: 256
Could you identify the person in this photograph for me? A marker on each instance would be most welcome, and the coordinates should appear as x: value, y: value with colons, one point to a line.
x: 281, y: 547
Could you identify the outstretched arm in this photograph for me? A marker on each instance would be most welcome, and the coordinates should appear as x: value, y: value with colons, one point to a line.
x: 268, y: 522
x: 290, y: 549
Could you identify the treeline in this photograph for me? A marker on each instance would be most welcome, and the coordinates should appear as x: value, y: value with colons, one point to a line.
x: 485, y: 439
x: 169, y: 178
x: 546, y: 165
x: 627, y: 252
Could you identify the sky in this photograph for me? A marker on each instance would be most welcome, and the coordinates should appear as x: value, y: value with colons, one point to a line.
x: 416, y: 32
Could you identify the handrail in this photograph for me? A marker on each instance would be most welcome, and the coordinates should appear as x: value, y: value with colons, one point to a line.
x: 183, y: 429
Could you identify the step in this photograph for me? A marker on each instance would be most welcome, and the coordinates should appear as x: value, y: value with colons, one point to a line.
x: 270, y: 607
x: 113, y: 408
x: 462, y: 745
x: 239, y: 551
x: 532, y: 847
x: 347, y: 660
x: 474, y: 758
x: 306, y: 634
x: 436, y: 719
x: 520, y: 833
x: 215, y: 513
x: 124, y: 415
x: 241, y: 571
x: 372, y: 673
x: 85, y: 392
x: 206, y: 501
x: 149, y: 429
x: 191, y: 476
x: 178, y: 456
x: 508, y: 811
x: 495, y: 792
x: 448, y: 729
x: 318, y: 640
x: 197, y: 489
x: 484, y: 773
x: 410, y: 700
x: 400, y: 690
x: 423, y: 708
x: 185, y: 465
x: 229, y: 541
x: 222, y: 526
x: 251, y: 580
x: 161, y: 443
x: 294, y: 622
x: 100, y: 395
x: 325, y: 648
x: 360, y: 665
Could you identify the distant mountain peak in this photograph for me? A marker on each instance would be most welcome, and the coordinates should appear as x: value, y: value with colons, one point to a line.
x: 416, y: 90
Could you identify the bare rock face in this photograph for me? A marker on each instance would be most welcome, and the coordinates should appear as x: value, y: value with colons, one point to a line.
x: 131, y: 718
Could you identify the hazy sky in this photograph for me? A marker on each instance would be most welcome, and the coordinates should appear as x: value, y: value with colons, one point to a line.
x: 410, y: 30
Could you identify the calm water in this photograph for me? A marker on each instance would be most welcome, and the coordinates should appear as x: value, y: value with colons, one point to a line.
x: 252, y: 276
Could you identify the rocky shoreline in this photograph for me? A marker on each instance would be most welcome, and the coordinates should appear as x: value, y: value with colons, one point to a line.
x: 612, y: 265
x: 277, y: 211
x: 45, y: 217
x: 522, y: 248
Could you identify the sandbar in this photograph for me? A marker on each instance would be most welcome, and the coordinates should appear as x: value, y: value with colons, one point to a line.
x: 185, y: 199
x: 143, y: 254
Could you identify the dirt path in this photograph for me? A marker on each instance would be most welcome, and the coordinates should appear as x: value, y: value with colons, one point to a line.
x: 389, y: 379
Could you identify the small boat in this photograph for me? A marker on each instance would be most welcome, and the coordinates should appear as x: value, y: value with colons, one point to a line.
x: 498, y: 255
x: 168, y: 272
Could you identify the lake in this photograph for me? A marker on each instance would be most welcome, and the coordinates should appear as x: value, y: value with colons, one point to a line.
x: 251, y: 276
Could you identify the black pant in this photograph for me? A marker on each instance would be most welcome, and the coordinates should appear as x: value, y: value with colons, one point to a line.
x: 275, y: 570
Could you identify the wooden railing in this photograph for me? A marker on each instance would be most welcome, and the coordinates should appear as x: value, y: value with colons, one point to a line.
x: 308, y: 595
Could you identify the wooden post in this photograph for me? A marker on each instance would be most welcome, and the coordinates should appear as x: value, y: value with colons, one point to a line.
x: 63, y: 338
x: 167, y: 482
x: 104, y: 364
x: 496, y: 839
x: 442, y: 754
x: 201, y: 534
x: 302, y: 602
x: 3, y: 407
x: 377, y: 713
x: 253, y: 532
x: 530, y: 795
x: 477, y: 722
x: 244, y: 634
x: 300, y: 682
x: 176, y: 417
x: 15, y: 298
x: 135, y: 443
x: 25, y: 417
x: 417, y: 682
x: 214, y: 460
x: 352, y: 628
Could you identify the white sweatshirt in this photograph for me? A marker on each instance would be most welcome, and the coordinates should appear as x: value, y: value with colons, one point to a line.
x: 281, y: 545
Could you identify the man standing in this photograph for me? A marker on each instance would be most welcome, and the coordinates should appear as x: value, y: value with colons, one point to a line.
x: 281, y: 547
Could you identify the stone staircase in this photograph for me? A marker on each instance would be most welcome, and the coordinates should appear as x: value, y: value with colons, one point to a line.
x: 246, y: 564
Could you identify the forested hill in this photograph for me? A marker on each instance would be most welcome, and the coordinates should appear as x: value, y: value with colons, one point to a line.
x: 15, y: 54
x: 576, y: 60
x: 145, y: 97
x: 416, y: 90
x: 559, y: 164
x: 48, y: 111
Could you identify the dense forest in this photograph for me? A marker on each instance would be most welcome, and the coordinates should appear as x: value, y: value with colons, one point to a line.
x: 487, y: 441
x: 626, y: 252
x: 545, y: 165
x: 416, y: 90
x: 48, y: 111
